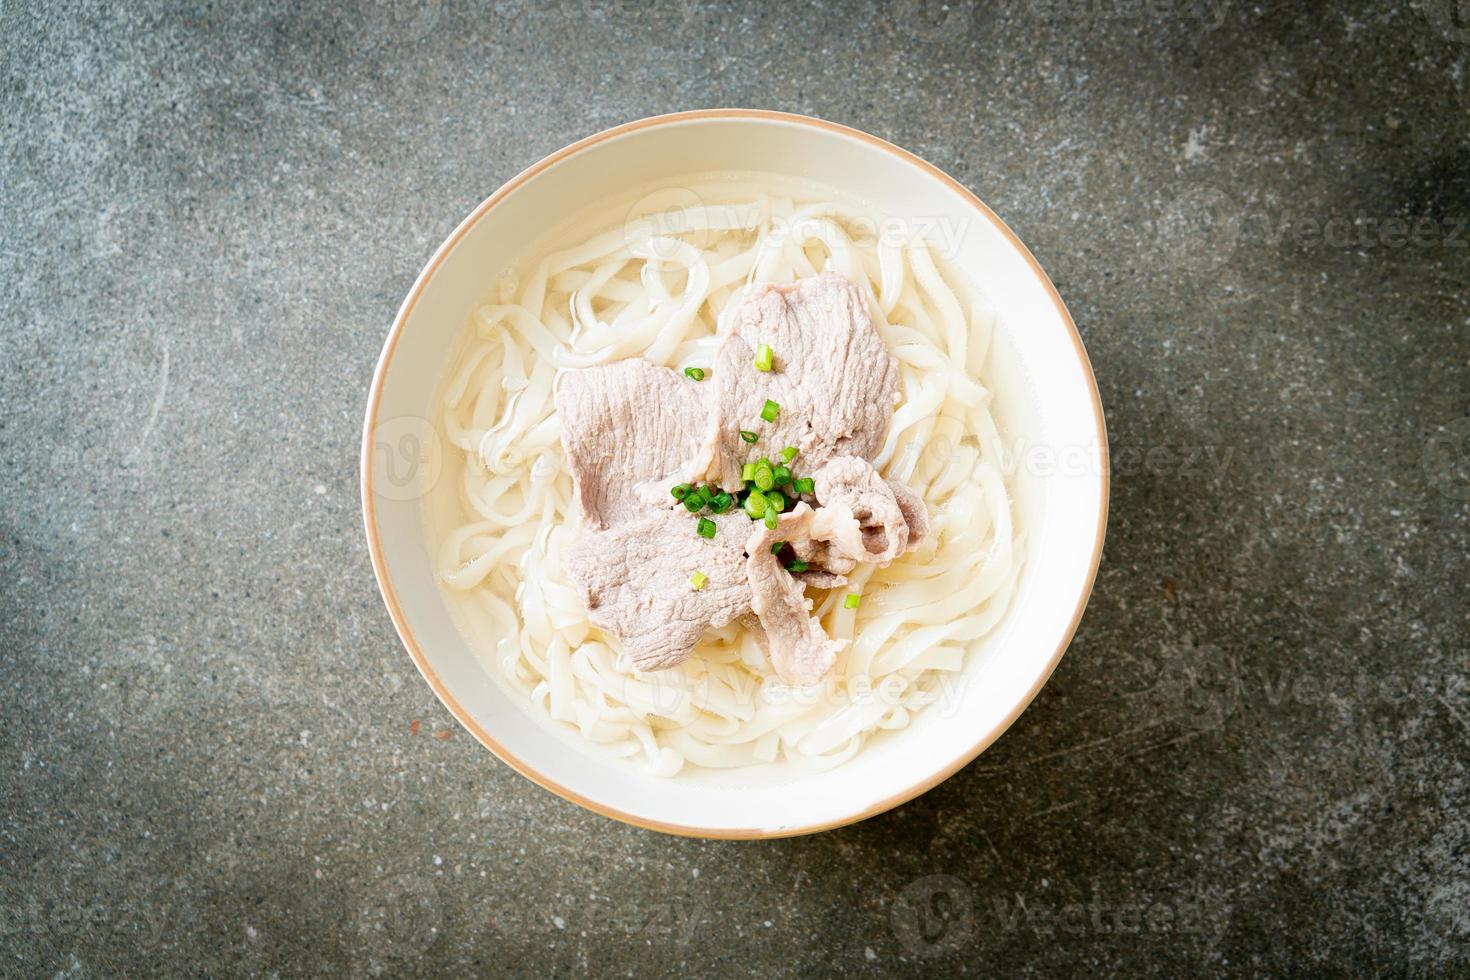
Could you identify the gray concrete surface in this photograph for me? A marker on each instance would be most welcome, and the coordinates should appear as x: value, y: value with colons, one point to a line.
x: 1253, y: 761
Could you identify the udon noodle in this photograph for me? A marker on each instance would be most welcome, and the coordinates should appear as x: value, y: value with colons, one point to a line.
x: 654, y: 285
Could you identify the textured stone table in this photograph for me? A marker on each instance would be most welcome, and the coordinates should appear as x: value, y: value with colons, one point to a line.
x: 1254, y: 757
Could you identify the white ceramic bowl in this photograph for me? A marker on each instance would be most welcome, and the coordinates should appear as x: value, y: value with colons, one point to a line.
x: 1046, y: 400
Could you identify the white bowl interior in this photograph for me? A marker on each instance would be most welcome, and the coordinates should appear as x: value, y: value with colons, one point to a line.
x: 1045, y: 400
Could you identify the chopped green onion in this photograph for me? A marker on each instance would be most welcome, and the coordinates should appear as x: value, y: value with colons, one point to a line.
x: 695, y: 373
x: 755, y: 505
x: 721, y: 502
x: 748, y: 473
x: 764, y: 357
x: 680, y: 490
x: 704, y: 494
x: 774, y: 501
x: 693, y: 504
x: 770, y: 411
x: 788, y: 454
x: 706, y: 528
x: 697, y: 580
x: 804, y: 485
x: 773, y: 519
x: 765, y: 477
x: 748, y: 436
x: 852, y: 600
x: 798, y: 566
x: 781, y: 475
x: 776, y: 548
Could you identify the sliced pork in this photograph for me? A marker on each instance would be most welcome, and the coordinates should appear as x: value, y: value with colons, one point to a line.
x: 635, y: 581
x: 832, y: 377
x: 634, y: 432
x: 915, y: 513
x: 622, y: 424
x: 864, y: 519
x: 799, y: 649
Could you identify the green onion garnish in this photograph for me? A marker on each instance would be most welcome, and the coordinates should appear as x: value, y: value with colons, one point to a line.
x: 680, y: 490
x: 765, y: 477
x: 755, y: 505
x: 781, y: 475
x: 804, y: 485
x: 697, y: 580
x: 764, y: 357
x: 721, y: 502
x: 774, y: 501
x: 748, y: 436
x: 798, y: 566
x: 770, y: 411
x: 852, y: 600
x: 706, y: 528
x: 695, y: 373
x: 693, y: 504
x: 776, y: 548
x: 773, y: 519
x: 748, y: 473
x: 788, y: 454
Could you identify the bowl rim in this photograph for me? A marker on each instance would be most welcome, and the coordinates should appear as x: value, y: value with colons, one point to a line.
x: 395, y: 610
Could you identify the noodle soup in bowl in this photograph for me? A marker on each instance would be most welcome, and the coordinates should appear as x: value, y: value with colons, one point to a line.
x: 638, y: 243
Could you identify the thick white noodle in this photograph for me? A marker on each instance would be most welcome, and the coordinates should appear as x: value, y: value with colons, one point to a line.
x: 655, y: 286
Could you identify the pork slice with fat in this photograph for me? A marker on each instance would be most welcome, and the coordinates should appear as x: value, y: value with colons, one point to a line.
x: 635, y: 582
x: 623, y: 424
x: 833, y: 378
x: 863, y: 516
x: 799, y: 649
